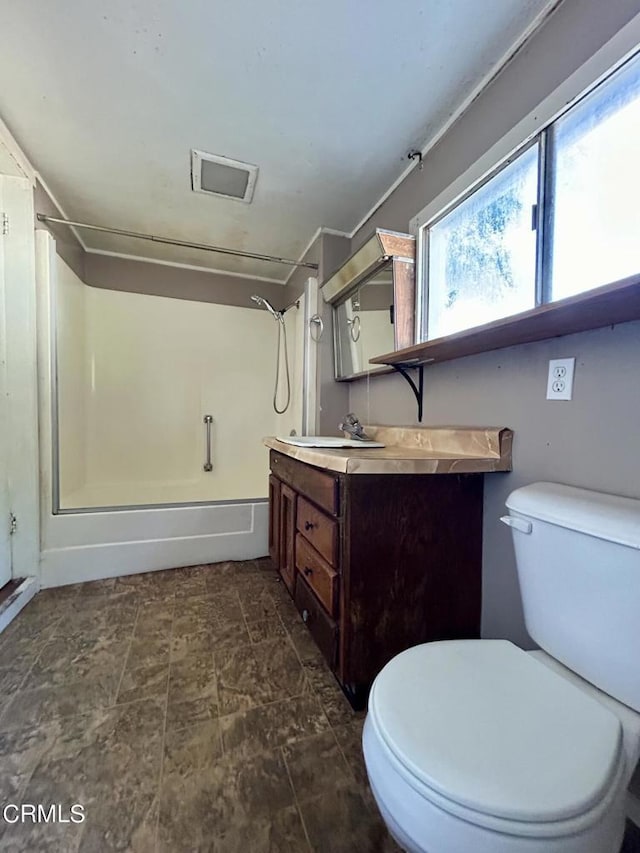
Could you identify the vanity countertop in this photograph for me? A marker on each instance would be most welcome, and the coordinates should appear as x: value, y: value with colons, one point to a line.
x: 413, y: 450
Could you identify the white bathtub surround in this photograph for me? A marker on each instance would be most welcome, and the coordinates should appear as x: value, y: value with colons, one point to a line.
x: 95, y: 545
x: 19, y: 409
x: 135, y: 375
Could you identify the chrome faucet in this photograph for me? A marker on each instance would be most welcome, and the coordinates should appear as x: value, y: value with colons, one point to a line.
x: 353, y: 426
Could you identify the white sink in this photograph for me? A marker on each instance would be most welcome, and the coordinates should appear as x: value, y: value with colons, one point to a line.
x: 327, y: 441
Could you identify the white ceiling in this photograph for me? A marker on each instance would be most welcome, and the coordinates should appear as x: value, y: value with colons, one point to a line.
x: 108, y: 97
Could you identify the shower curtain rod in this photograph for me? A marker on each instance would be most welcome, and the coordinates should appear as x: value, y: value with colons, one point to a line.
x: 206, y: 247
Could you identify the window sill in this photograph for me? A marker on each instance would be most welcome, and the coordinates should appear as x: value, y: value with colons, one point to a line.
x: 604, y: 306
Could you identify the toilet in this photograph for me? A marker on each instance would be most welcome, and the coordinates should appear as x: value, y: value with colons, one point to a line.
x: 476, y: 746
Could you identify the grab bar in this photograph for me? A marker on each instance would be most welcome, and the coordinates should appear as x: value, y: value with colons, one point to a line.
x: 208, y: 420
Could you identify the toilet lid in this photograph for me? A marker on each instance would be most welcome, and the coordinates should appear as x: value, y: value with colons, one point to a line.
x: 491, y: 729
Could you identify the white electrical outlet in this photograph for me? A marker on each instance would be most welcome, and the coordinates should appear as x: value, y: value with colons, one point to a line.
x: 560, y: 380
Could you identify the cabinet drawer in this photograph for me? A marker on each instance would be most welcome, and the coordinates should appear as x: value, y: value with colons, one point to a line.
x: 319, y: 486
x: 319, y: 529
x: 320, y: 576
x: 322, y: 628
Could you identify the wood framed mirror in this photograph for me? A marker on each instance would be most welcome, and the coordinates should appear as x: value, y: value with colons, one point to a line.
x: 373, y: 299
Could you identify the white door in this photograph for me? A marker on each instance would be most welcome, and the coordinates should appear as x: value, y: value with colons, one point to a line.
x: 5, y: 543
x: 19, y: 472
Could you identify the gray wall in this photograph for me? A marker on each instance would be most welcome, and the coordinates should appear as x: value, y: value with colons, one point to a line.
x: 328, y: 251
x: 592, y: 441
x: 572, y: 34
x: 142, y: 276
x: 334, y: 396
x: 67, y: 245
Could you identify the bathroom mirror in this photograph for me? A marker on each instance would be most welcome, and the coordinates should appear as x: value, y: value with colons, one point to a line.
x: 364, y: 324
x: 373, y: 298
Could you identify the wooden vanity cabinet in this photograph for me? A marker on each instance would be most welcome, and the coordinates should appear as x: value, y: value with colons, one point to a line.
x: 377, y: 563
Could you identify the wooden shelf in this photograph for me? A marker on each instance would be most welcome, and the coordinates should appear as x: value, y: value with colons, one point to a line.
x: 382, y: 370
x: 604, y: 306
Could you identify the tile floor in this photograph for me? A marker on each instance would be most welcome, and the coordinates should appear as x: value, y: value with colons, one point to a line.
x: 186, y: 710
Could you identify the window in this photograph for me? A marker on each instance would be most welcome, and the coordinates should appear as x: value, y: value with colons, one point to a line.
x: 482, y: 255
x: 596, y: 203
x: 561, y: 217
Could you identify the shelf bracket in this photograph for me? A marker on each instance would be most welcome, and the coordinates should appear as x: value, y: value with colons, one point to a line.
x: 403, y: 370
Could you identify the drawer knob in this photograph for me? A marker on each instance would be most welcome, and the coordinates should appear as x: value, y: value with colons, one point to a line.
x: 308, y: 571
x: 309, y: 525
x: 305, y: 615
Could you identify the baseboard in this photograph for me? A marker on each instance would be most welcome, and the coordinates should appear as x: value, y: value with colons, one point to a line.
x: 87, y: 561
x: 18, y: 599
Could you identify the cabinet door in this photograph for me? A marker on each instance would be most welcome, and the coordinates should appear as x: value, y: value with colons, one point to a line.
x: 274, y: 519
x: 287, y: 530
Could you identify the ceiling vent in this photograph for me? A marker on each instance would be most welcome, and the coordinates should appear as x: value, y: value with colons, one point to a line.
x: 216, y: 175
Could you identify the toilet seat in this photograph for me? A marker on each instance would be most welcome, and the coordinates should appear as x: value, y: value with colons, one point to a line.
x: 504, y: 743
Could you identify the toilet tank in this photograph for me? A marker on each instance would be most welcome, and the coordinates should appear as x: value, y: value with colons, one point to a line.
x: 578, y: 559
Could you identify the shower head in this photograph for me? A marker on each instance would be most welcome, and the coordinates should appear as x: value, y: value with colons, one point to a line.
x: 264, y: 303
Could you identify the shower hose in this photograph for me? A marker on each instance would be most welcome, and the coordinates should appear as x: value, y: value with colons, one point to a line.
x: 282, y: 333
